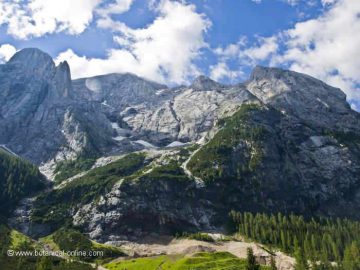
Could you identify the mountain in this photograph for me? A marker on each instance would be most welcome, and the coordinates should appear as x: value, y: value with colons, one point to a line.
x: 132, y: 157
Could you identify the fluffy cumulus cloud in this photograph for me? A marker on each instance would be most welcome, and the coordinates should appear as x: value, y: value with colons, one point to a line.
x: 6, y: 51
x: 117, y: 7
x: 222, y: 71
x: 245, y: 54
x: 35, y: 18
x: 164, y: 50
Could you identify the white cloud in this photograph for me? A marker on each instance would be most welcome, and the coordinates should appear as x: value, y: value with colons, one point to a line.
x: 243, y: 54
x: 328, y: 2
x: 291, y: 2
x: 222, y: 71
x: 328, y: 47
x: 294, y: 2
x: 116, y: 7
x: 164, y: 50
x: 35, y: 18
x: 6, y: 52
x: 264, y: 48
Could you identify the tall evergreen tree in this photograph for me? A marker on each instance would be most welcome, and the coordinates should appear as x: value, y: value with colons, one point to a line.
x: 273, y: 263
x: 352, y: 257
x: 300, y: 260
x: 251, y: 263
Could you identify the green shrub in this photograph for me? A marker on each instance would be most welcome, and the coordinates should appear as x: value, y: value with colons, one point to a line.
x: 196, y: 236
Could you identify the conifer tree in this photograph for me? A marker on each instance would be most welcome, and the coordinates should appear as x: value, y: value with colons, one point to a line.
x: 352, y: 257
x: 300, y: 260
x: 273, y: 263
x: 251, y: 263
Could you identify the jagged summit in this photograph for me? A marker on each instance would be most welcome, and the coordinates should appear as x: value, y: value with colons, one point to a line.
x: 203, y: 83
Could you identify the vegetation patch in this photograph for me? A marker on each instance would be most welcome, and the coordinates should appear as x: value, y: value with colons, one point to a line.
x: 18, y: 179
x: 199, y: 261
x: 69, y: 168
x: 343, y: 137
x: 167, y: 172
x: 72, y: 240
x: 196, y: 236
x: 54, y: 207
x: 214, y: 161
x: 16, y: 241
x: 322, y: 240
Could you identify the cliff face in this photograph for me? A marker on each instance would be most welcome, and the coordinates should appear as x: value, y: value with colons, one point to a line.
x: 41, y: 118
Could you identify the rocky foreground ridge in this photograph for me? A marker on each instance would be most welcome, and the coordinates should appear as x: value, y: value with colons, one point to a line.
x: 281, y: 141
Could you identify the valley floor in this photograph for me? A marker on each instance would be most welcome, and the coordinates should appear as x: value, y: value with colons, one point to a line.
x: 188, y: 247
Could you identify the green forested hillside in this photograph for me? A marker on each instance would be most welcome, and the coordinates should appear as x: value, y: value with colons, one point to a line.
x: 215, y: 160
x: 318, y: 239
x: 18, y: 179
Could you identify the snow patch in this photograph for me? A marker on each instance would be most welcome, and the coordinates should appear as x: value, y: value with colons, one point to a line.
x: 145, y: 143
x: 106, y: 104
x: 119, y: 138
x: 159, y: 92
x: 93, y: 84
x: 323, y: 103
x: 176, y: 144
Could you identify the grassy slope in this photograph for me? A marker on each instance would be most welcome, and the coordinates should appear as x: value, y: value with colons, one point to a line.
x: 70, y: 240
x: 69, y: 168
x: 199, y: 261
x: 14, y: 240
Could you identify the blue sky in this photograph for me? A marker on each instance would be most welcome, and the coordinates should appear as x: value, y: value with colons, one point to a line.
x: 174, y: 41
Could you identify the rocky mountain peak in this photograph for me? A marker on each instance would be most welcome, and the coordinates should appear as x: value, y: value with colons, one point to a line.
x: 302, y: 96
x: 64, y: 67
x: 285, y: 81
x: 260, y: 72
x: 62, y: 80
x: 203, y: 83
x: 33, y: 58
